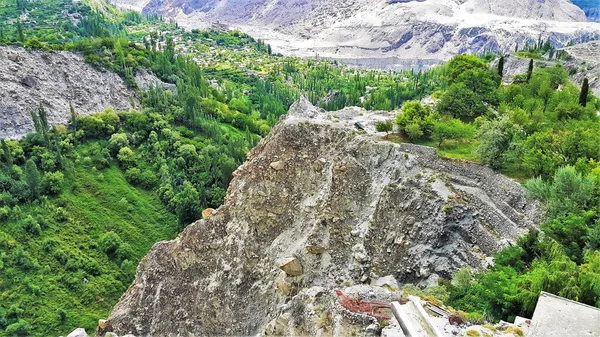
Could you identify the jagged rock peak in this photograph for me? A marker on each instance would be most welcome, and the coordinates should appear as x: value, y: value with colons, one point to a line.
x: 321, y: 205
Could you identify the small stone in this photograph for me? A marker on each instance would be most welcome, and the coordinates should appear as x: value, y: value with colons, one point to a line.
x: 386, y: 281
x: 79, y: 332
x: 277, y: 165
x: 361, y: 257
x: 291, y: 266
x: 110, y: 334
x: 29, y: 81
x: 316, y: 249
x: 208, y: 212
x: 372, y: 330
x: 102, y: 323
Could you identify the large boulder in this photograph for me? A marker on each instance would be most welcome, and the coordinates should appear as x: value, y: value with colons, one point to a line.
x: 395, y: 209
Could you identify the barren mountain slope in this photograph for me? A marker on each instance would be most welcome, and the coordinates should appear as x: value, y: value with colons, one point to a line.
x: 55, y: 79
x: 28, y: 78
x: 333, y: 208
x: 404, y: 29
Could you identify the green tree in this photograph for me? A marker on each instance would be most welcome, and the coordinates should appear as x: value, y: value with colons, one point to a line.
x: 416, y: 120
x: 585, y: 88
x: 20, y: 34
x: 187, y: 204
x: 7, y: 155
x: 32, y: 178
x: 52, y: 182
x: 460, y: 64
x: 21, y: 328
x: 495, y: 140
x: 461, y: 102
x: 501, y: 66
x: 529, y: 70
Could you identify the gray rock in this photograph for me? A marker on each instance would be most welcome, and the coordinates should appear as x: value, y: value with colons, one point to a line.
x: 29, y: 81
x: 414, y: 215
x: 79, y: 332
x: 386, y: 281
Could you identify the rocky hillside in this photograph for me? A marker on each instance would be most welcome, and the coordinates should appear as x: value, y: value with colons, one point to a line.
x: 28, y: 78
x: 399, y: 29
x: 319, y: 205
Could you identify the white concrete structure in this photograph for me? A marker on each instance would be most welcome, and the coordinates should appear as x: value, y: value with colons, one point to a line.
x: 555, y: 316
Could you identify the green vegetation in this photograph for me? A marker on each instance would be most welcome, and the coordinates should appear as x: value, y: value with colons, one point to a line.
x: 79, y: 206
x: 543, y: 127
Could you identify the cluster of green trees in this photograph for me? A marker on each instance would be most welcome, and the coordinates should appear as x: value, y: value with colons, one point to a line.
x: 544, y: 127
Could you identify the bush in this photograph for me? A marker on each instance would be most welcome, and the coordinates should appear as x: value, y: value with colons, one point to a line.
x: 31, y: 226
x: 127, y: 157
x: 451, y: 129
x: 21, y: 328
x: 384, y: 126
x: 416, y: 120
x: 110, y: 243
x: 4, y: 213
x: 52, y: 182
x: 118, y: 141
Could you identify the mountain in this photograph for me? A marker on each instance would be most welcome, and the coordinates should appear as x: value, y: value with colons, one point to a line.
x: 399, y: 30
x: 590, y: 7
x: 317, y: 206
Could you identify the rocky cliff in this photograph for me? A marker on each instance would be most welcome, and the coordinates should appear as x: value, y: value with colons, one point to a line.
x: 400, y: 30
x: 28, y: 78
x: 321, y: 205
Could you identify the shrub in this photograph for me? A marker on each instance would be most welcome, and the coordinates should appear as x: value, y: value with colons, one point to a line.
x: 127, y: 157
x: 4, y: 213
x: 31, y: 226
x: 384, y: 126
x: 52, y: 182
x: 452, y: 129
x: 118, y: 141
x: 110, y: 243
x: 21, y: 328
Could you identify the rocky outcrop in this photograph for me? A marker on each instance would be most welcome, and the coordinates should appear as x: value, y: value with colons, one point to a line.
x: 344, y: 209
x: 28, y: 78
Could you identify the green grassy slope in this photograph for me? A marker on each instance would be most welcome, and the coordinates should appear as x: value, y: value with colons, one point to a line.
x: 64, y: 272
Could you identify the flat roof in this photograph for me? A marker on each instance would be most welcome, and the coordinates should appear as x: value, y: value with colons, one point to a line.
x: 556, y: 316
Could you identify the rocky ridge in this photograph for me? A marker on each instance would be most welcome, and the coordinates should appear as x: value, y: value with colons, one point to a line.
x: 318, y: 206
x: 55, y: 79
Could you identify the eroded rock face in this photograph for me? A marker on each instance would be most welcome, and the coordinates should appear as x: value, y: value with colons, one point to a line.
x: 374, y: 208
x: 28, y: 78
